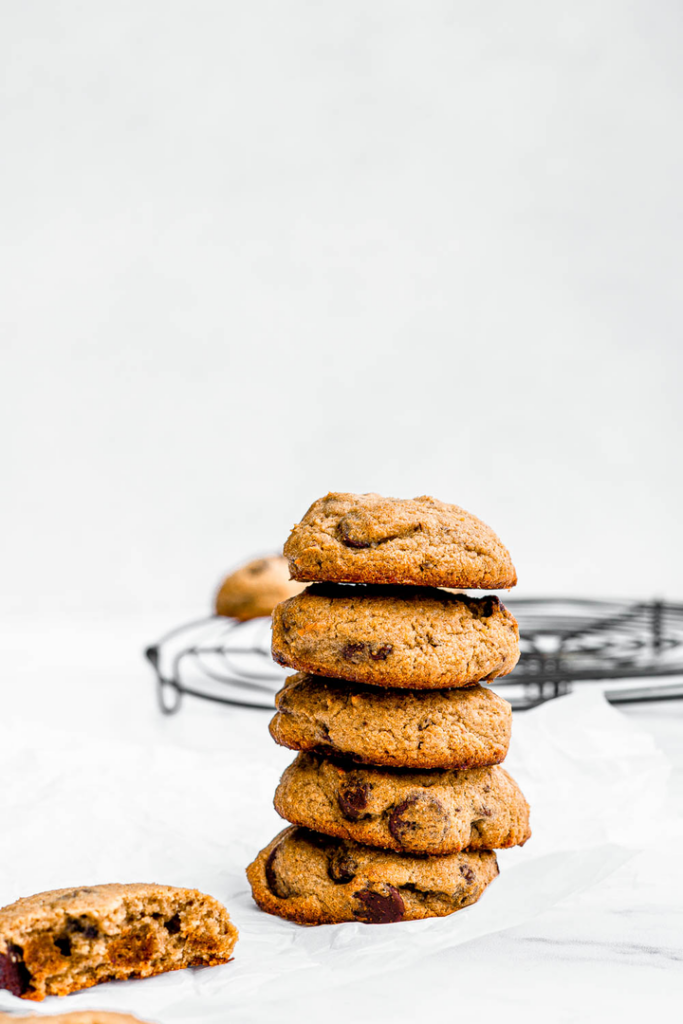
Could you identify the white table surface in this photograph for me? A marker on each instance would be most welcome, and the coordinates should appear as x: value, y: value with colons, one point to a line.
x: 615, y: 952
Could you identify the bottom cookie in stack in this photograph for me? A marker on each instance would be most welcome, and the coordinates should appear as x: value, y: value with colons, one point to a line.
x: 311, y: 878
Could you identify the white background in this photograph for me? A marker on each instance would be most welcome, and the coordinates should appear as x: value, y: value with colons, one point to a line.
x: 255, y: 251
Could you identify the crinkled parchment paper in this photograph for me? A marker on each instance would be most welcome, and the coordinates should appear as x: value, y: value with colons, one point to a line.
x: 77, y: 809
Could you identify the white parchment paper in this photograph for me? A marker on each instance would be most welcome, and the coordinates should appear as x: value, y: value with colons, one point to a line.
x: 76, y: 809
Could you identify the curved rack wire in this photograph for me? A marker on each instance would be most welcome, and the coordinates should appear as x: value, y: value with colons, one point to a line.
x: 564, y: 642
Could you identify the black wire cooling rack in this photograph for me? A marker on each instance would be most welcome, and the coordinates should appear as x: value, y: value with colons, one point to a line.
x: 565, y: 643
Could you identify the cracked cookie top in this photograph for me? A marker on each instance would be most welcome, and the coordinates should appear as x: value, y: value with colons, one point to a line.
x: 365, y: 538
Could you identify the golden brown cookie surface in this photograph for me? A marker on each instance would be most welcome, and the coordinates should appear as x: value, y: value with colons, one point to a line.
x: 65, y: 940
x: 253, y: 590
x: 365, y: 538
x: 454, y: 728
x: 429, y: 812
x: 415, y: 637
x: 313, y: 879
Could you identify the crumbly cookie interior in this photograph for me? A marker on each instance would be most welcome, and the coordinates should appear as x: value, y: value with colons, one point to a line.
x: 57, y: 952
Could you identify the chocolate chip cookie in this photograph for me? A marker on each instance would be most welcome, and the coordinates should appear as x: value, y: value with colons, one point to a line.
x: 82, y: 1017
x: 365, y: 538
x: 415, y: 637
x: 254, y: 589
x: 314, y: 879
x: 429, y: 812
x: 70, y: 939
x: 455, y: 728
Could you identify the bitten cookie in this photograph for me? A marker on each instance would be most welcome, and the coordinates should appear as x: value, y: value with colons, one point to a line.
x: 69, y: 939
x: 365, y: 538
x: 465, y: 728
x: 429, y: 812
x: 416, y: 637
x: 313, y: 879
x: 254, y: 589
x: 82, y: 1017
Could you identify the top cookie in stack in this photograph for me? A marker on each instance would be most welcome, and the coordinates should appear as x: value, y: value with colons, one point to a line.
x: 397, y: 793
x: 364, y: 538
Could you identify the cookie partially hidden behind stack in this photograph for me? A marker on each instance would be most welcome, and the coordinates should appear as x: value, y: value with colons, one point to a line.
x: 253, y: 590
x: 396, y: 798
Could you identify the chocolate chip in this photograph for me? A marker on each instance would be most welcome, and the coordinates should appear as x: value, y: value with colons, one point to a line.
x: 467, y: 873
x: 353, y: 800
x: 316, y: 839
x: 341, y: 867
x: 418, y: 813
x: 76, y: 892
x: 173, y: 926
x: 82, y: 926
x: 351, y: 542
x: 381, y: 653
x: 382, y: 907
x: 352, y: 651
x: 63, y: 944
x: 271, y: 877
x: 489, y: 605
x: 14, y: 974
x: 424, y: 723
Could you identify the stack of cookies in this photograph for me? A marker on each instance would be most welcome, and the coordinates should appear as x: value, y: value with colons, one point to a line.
x: 397, y: 798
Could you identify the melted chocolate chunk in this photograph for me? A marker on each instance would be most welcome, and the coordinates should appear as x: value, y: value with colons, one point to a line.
x: 416, y: 813
x: 63, y: 944
x: 381, y: 653
x: 14, y: 974
x: 346, y: 538
x: 172, y: 926
x: 271, y: 877
x: 353, y: 651
x: 353, y: 800
x: 82, y: 926
x: 489, y: 605
x: 380, y: 907
x: 467, y: 873
x: 342, y: 867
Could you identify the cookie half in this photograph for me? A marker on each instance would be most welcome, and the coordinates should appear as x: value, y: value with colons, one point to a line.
x: 417, y: 637
x: 253, y: 590
x: 313, y: 879
x: 70, y: 939
x: 454, y: 728
x: 80, y: 1017
x: 365, y: 538
x: 430, y: 812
